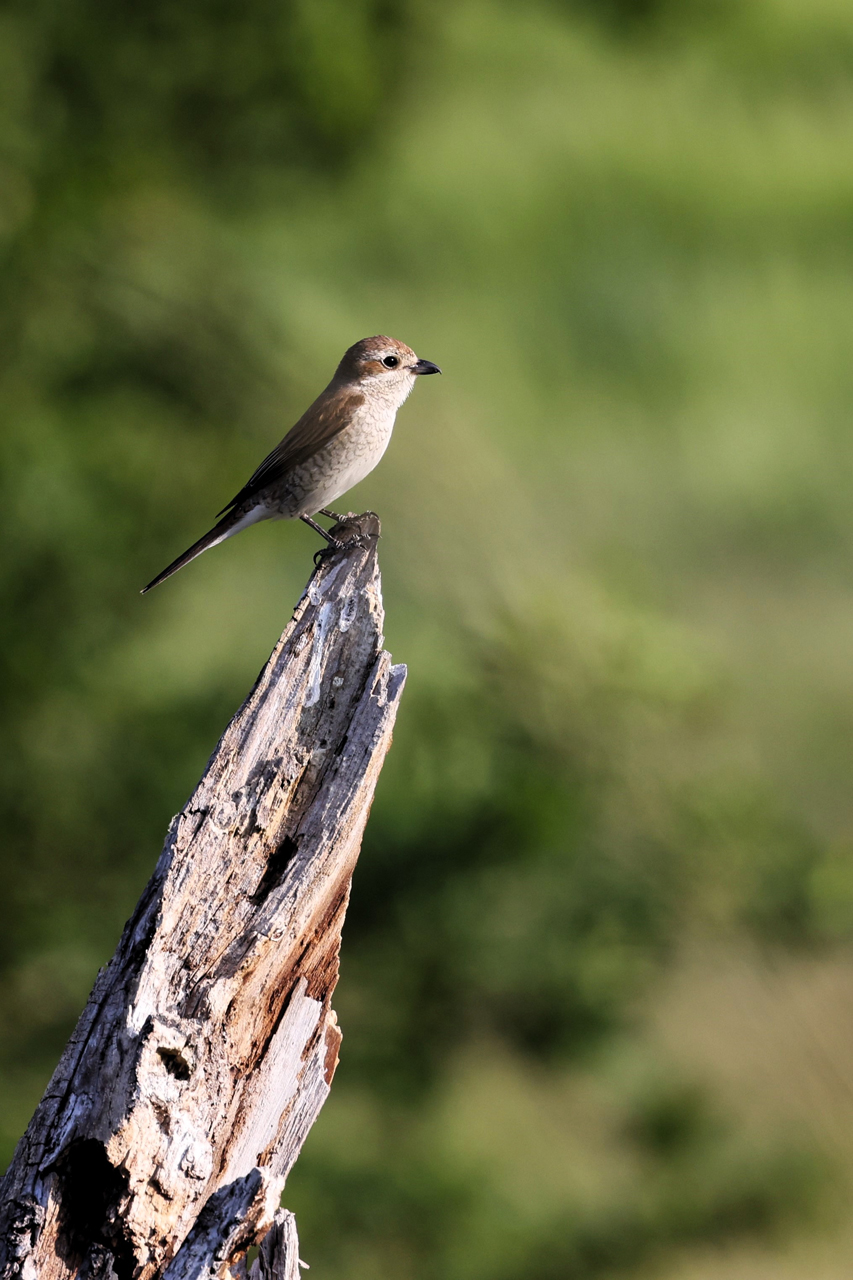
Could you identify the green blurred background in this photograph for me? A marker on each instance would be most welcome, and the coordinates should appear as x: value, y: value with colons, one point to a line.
x: 597, y: 986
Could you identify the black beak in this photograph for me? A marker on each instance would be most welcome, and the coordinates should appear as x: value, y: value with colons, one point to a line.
x: 424, y: 366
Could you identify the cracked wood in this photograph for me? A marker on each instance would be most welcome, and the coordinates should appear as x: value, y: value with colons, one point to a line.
x: 208, y: 1044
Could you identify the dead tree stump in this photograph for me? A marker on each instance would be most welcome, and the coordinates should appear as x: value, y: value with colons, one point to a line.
x: 208, y: 1044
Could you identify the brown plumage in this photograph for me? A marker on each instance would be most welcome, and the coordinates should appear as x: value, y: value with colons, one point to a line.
x: 316, y: 428
x: 334, y: 445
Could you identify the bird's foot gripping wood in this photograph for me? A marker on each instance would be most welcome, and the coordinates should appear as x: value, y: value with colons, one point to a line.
x: 352, y: 531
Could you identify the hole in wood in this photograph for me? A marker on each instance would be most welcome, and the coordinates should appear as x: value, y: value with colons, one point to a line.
x: 175, y: 1063
x: 91, y: 1191
x: 276, y: 869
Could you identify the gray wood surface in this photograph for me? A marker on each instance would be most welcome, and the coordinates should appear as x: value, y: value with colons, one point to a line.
x: 208, y: 1044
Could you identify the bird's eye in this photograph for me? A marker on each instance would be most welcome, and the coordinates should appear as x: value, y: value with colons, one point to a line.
x: 390, y: 362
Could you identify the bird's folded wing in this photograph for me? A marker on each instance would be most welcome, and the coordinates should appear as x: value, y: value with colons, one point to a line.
x: 327, y: 417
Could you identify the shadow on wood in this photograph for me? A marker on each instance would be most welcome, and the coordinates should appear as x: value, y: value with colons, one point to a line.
x: 209, y: 1043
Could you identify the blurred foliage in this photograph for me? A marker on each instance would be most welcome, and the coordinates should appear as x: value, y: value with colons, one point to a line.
x: 618, y: 534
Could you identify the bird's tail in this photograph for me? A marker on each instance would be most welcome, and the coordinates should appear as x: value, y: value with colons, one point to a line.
x: 224, y: 528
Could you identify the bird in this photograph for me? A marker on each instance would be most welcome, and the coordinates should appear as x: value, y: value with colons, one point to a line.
x: 337, y: 442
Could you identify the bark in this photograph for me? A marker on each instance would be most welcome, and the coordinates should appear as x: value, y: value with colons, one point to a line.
x: 208, y: 1044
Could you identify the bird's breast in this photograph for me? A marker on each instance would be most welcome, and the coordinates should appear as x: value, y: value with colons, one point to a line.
x: 344, y: 461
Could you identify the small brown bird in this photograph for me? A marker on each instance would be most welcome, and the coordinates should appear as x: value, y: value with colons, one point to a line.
x: 336, y: 443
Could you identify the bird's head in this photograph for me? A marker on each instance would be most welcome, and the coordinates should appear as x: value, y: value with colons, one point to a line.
x: 383, y: 367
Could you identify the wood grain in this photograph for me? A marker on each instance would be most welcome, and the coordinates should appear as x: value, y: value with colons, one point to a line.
x: 209, y: 1043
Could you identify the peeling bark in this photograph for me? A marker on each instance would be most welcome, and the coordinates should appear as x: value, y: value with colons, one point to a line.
x: 208, y: 1044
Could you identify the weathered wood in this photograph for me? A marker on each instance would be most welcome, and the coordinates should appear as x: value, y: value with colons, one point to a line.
x: 208, y: 1044
x: 278, y: 1256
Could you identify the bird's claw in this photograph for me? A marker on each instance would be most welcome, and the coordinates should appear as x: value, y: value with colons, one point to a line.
x: 341, y: 544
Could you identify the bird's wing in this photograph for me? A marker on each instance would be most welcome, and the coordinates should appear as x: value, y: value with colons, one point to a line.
x: 326, y: 418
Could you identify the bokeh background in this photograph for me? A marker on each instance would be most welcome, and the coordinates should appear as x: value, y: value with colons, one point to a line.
x: 597, y: 987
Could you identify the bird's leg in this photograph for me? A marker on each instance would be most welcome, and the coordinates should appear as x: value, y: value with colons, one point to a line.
x: 330, y: 515
x: 319, y: 529
x: 332, y: 544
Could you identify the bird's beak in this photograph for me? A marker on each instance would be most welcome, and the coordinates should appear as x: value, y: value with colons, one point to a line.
x: 424, y: 366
